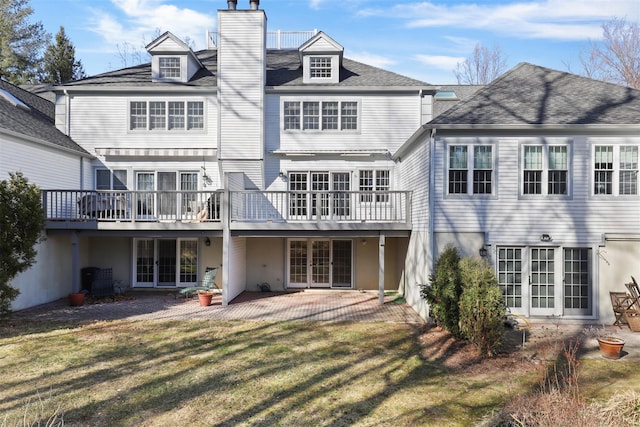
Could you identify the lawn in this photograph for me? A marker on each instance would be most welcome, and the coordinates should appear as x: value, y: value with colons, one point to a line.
x: 197, y: 373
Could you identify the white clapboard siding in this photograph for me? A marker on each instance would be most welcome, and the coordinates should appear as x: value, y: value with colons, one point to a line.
x: 509, y: 217
x: 103, y: 122
x: 237, y: 268
x: 241, y: 80
x: 45, y: 166
x: 385, y: 123
x: 413, y: 175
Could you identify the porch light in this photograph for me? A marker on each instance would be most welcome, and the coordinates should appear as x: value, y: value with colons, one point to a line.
x: 207, y: 242
x: 283, y: 175
x: 483, y: 252
x: 545, y: 238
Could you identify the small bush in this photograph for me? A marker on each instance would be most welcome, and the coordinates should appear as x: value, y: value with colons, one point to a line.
x: 481, y: 306
x: 443, y: 292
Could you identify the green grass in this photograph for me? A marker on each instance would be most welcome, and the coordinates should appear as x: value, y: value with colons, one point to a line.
x: 199, y: 373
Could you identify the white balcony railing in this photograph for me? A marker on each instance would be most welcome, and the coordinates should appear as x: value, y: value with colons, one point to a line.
x: 306, y: 206
x: 250, y: 206
x: 82, y: 205
x: 275, y: 39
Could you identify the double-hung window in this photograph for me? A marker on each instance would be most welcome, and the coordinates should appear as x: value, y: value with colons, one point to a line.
x: 166, y: 115
x: 470, y: 174
x: 615, y: 170
x: 545, y: 170
x: 320, y: 67
x: 371, y: 181
x: 320, y: 115
x: 111, y: 179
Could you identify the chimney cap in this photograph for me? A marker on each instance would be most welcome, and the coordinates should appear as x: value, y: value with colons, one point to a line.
x: 254, y: 4
x: 231, y: 4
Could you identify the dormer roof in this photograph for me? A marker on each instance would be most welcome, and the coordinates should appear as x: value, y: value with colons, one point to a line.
x: 321, y: 44
x: 168, y: 45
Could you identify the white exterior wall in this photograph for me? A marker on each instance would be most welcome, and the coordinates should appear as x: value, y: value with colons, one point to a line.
x: 509, y: 217
x: 413, y: 171
x: 237, y: 267
x: 241, y: 82
x: 102, y: 121
x: 50, y: 276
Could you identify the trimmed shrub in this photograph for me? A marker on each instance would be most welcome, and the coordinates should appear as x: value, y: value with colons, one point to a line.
x: 443, y: 291
x: 482, y: 307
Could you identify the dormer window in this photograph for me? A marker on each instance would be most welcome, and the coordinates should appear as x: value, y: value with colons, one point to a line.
x: 321, y: 58
x: 320, y: 67
x: 169, y: 68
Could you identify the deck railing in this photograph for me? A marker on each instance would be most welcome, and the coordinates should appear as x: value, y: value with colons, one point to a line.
x: 244, y: 206
x: 84, y: 205
x: 275, y: 39
x: 311, y: 206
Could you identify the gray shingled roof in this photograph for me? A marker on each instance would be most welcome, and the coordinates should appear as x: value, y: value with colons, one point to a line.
x: 38, y: 122
x: 533, y: 95
x: 283, y: 69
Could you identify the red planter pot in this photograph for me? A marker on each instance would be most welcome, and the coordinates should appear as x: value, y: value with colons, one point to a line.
x: 611, y: 347
x: 205, y: 298
x: 76, y: 298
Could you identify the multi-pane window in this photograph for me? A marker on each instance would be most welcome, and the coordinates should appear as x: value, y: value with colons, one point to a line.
x: 628, y: 184
x: 169, y: 68
x: 475, y: 175
x: 166, y: 115
x: 176, y: 115
x: 157, y: 115
x: 138, y: 115
x: 310, y: 115
x: 510, y: 276
x: 374, y: 181
x: 603, y: 170
x: 320, y: 115
x: 545, y: 170
x: 577, y: 295
x: 111, y: 179
x: 320, y: 67
x: 482, y: 169
x: 615, y: 170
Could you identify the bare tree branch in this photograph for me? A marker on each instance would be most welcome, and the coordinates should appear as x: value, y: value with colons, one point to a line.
x: 482, y: 67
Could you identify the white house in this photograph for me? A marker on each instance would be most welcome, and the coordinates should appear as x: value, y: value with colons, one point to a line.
x: 301, y: 168
x: 30, y: 144
x: 539, y: 172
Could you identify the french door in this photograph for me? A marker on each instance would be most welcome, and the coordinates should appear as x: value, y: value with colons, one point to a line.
x: 319, y: 195
x: 165, y: 204
x: 546, y: 281
x: 165, y: 262
x: 320, y: 263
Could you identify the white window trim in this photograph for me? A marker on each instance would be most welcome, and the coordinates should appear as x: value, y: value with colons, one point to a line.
x: 166, y: 129
x: 494, y: 170
x: 301, y: 101
x: 545, y: 170
x: 615, y: 183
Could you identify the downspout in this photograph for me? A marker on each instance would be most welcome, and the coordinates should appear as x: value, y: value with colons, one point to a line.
x: 432, y: 244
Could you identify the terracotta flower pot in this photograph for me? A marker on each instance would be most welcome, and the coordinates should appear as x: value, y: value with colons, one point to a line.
x: 76, y: 298
x: 610, y: 347
x: 205, y: 298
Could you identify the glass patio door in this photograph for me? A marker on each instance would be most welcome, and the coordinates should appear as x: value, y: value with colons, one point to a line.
x: 320, y: 263
x: 165, y: 262
x: 542, y: 282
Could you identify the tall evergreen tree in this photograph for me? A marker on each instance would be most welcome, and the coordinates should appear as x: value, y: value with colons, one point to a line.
x: 21, y: 42
x: 60, y: 64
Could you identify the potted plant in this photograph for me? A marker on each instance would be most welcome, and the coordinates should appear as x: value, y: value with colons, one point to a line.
x: 205, y: 297
x: 609, y: 344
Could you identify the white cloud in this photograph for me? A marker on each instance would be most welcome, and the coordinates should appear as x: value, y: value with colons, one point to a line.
x: 371, y: 59
x: 441, y: 62
x: 137, y: 22
x: 548, y: 19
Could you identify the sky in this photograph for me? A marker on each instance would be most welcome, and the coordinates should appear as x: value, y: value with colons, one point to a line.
x: 420, y: 39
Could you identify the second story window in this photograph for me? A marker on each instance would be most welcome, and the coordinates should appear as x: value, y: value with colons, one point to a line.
x: 374, y: 181
x: 545, y: 170
x: 615, y: 170
x: 163, y: 115
x: 320, y: 67
x: 169, y: 68
x: 320, y: 115
x: 470, y: 176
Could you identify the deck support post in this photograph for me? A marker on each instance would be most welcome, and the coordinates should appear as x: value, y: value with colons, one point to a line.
x: 75, y: 263
x: 381, y: 268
